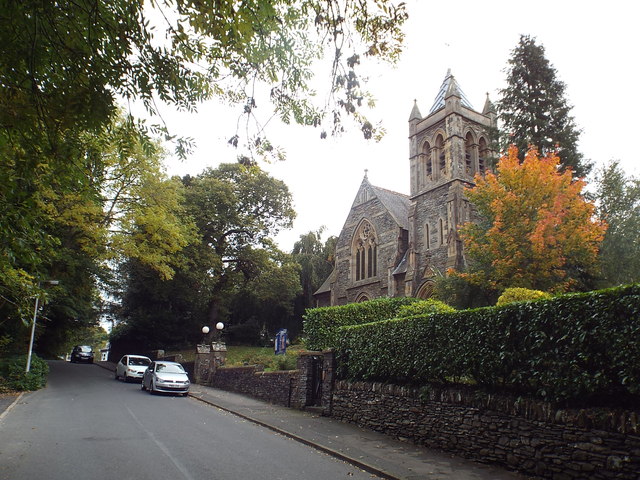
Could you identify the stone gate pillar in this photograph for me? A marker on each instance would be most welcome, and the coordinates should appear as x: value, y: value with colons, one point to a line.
x: 208, y: 359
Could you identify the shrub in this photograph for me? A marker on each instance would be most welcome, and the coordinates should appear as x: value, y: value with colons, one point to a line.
x: 569, y: 348
x: 13, y: 372
x: 424, y: 307
x: 321, y: 324
x: 518, y: 294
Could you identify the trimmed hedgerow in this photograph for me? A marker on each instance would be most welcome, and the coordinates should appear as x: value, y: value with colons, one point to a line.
x: 562, y: 349
x: 321, y: 324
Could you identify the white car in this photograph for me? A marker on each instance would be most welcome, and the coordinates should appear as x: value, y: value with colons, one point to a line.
x: 165, y: 376
x: 132, y: 367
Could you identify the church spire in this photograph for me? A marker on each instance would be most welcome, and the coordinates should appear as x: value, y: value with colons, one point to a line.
x: 415, y: 112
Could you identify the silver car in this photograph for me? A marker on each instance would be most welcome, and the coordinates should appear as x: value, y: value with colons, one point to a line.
x: 165, y: 376
x: 132, y: 367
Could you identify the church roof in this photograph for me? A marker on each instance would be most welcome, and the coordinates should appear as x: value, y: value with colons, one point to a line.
x: 326, y: 285
x: 449, y: 83
x: 396, y: 203
x: 402, y: 266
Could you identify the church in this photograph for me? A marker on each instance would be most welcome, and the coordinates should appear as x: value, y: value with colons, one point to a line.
x: 395, y: 245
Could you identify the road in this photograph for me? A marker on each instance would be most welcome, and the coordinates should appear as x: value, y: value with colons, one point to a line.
x: 88, y: 425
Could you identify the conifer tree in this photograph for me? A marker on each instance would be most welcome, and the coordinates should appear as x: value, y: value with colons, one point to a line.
x: 533, y: 109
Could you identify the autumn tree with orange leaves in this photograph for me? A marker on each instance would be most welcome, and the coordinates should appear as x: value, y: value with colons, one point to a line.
x: 539, y: 231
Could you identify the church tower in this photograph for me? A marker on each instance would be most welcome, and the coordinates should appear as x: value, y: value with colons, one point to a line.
x: 447, y: 148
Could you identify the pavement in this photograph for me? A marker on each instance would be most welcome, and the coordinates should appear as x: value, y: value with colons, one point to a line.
x: 371, y: 451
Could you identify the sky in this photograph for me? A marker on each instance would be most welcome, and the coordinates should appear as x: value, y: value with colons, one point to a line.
x: 593, y: 45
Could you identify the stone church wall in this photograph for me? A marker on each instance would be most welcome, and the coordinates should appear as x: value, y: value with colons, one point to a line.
x: 387, y: 232
x: 431, y: 208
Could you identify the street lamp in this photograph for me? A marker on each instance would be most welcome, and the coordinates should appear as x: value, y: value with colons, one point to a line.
x: 219, y: 327
x: 33, y: 324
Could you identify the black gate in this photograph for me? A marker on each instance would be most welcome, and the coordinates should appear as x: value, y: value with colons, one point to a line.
x: 316, y: 381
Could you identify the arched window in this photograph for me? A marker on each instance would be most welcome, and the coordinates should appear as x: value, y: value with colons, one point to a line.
x: 428, y: 166
x: 439, y: 154
x: 365, y: 252
x: 483, y: 154
x: 469, y: 159
x: 427, y: 236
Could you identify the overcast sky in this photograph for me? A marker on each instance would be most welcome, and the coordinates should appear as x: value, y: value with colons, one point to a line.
x: 594, y: 47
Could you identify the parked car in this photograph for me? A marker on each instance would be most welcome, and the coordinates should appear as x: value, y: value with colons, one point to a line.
x: 132, y: 367
x: 82, y: 353
x: 165, y: 376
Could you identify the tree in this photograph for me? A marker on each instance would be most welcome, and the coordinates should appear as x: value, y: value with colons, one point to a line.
x: 534, y: 111
x: 538, y: 231
x: 109, y: 201
x: 316, y: 262
x: 617, y: 197
x: 236, y: 210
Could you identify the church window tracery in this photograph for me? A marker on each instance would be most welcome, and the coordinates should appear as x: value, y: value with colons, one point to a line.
x: 365, y: 252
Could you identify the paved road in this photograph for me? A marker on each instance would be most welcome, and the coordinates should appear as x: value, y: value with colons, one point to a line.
x: 87, y: 424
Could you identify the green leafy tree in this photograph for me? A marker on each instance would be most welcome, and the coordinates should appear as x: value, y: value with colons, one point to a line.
x: 112, y: 202
x: 316, y: 262
x: 533, y: 109
x: 236, y: 210
x: 617, y: 197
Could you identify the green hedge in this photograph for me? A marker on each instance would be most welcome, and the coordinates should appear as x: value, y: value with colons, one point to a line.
x: 321, y: 324
x: 13, y: 376
x: 563, y: 349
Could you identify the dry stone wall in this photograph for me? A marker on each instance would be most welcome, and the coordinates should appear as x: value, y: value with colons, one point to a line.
x: 524, y: 435
x: 273, y: 387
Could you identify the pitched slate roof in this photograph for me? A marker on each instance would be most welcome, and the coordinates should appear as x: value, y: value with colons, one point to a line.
x: 449, y: 83
x: 396, y: 203
x: 326, y: 285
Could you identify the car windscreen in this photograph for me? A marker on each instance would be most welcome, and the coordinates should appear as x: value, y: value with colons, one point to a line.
x: 143, y: 362
x: 84, y: 348
x: 169, y: 368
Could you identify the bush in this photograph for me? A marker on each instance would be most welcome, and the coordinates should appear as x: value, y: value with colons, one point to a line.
x: 424, y: 307
x: 570, y: 348
x: 518, y: 294
x: 321, y: 324
x: 15, y: 378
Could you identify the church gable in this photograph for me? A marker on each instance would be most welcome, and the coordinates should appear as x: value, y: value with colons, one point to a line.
x: 369, y: 245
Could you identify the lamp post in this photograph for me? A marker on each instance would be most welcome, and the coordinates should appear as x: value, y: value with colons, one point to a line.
x: 33, y: 324
x: 219, y: 327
